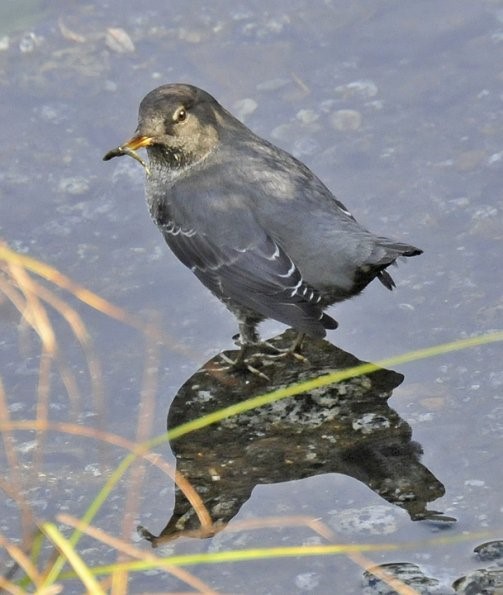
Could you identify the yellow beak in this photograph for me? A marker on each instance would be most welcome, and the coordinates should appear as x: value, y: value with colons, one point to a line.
x: 137, y: 142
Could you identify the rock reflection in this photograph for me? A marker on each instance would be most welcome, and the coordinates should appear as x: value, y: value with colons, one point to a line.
x: 343, y: 428
x: 487, y: 580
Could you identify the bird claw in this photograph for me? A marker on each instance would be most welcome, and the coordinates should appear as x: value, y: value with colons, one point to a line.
x: 251, y: 351
x: 239, y: 364
x: 284, y: 352
x: 293, y: 350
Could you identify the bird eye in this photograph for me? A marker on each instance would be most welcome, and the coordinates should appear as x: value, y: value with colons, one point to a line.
x: 180, y: 115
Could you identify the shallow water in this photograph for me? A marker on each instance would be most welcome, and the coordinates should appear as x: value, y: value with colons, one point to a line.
x: 397, y: 107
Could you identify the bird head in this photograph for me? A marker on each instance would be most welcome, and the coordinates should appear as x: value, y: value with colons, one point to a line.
x: 178, y: 124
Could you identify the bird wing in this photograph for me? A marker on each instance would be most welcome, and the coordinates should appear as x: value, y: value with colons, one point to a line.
x: 257, y: 274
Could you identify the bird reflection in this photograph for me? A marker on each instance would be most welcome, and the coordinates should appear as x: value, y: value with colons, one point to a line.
x: 345, y: 428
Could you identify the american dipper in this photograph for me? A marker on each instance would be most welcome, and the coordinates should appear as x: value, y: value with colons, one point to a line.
x: 253, y: 223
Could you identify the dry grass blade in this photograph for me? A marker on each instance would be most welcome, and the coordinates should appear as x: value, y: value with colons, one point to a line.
x: 138, y: 450
x: 96, y: 302
x: 8, y: 440
x: 133, y: 552
x: 9, y: 587
x: 84, y: 295
x: 29, y: 301
x: 73, y: 559
x: 88, y: 432
x: 14, y: 486
x: 13, y: 492
x: 36, y: 316
x: 92, y: 299
x: 31, y: 298
x: 144, y: 428
x: 22, y: 560
x: 33, y: 311
x: 79, y: 330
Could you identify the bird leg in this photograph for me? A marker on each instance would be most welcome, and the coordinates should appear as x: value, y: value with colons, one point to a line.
x: 246, y: 340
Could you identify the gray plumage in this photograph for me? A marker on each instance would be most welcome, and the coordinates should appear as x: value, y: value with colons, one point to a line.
x: 253, y: 223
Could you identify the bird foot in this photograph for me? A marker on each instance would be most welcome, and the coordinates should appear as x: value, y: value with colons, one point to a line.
x: 284, y: 352
x: 255, y: 354
x: 293, y: 350
x: 239, y: 364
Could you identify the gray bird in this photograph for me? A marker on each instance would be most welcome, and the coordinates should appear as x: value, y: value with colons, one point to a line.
x: 253, y: 223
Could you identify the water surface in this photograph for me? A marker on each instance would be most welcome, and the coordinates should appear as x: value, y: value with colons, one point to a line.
x: 397, y: 106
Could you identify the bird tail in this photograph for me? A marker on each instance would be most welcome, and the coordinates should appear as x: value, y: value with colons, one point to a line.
x: 394, y: 250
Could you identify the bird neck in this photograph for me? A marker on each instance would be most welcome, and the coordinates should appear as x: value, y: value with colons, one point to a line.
x: 163, y: 157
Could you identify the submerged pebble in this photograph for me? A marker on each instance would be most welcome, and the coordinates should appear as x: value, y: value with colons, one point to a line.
x: 346, y: 119
x: 75, y: 185
x: 29, y: 42
x: 244, y: 107
x: 119, y: 41
x: 362, y: 88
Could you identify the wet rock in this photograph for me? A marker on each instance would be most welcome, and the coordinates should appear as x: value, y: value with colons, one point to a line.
x: 304, y: 435
x: 410, y: 574
x: 370, y: 422
x: 491, y: 550
x: 486, y: 581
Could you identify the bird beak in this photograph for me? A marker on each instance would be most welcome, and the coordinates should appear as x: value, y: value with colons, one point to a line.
x: 129, y: 148
x: 137, y: 142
